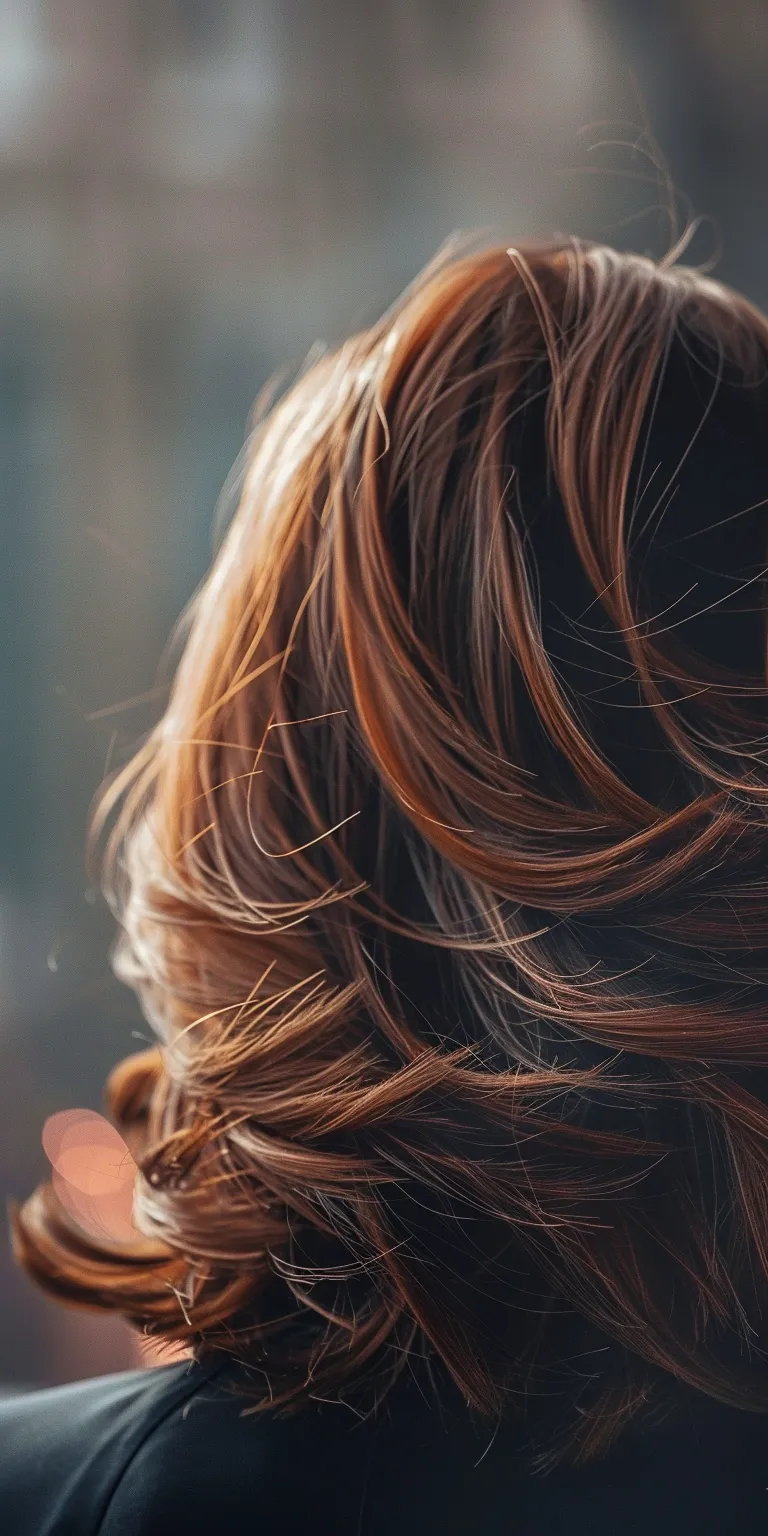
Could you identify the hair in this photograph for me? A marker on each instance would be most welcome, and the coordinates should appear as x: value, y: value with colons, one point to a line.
x: 443, y: 879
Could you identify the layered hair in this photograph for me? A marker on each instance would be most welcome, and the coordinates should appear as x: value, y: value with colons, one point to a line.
x: 444, y: 877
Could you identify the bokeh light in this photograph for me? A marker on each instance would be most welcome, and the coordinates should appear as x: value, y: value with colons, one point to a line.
x: 93, y: 1172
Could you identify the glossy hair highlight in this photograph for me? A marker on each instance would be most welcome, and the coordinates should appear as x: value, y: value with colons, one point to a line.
x: 443, y: 877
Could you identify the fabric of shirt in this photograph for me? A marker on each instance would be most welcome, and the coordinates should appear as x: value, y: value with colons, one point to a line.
x: 169, y: 1450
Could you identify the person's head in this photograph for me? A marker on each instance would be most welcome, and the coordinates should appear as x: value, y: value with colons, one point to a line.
x: 444, y: 877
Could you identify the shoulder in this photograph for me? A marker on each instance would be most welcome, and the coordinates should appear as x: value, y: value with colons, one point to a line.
x: 146, y: 1452
x: 64, y: 1449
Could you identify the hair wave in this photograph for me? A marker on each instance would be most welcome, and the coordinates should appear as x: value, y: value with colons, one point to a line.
x: 442, y: 878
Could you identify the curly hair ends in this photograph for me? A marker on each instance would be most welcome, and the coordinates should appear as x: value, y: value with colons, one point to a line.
x: 443, y: 877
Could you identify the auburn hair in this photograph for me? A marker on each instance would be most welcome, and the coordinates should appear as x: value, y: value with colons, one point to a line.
x: 444, y: 877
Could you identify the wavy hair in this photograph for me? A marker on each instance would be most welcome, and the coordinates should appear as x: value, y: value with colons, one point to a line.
x: 443, y: 879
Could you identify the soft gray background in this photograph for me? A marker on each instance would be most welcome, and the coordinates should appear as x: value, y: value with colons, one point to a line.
x: 192, y: 191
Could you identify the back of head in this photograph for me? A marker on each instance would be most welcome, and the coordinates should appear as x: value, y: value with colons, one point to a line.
x: 443, y: 876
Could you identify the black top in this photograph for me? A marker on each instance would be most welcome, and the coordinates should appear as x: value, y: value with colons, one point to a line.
x: 166, y: 1451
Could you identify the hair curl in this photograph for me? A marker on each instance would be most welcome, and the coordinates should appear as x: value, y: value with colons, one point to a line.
x: 443, y: 877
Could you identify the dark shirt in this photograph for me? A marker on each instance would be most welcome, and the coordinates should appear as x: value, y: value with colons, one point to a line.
x: 167, y: 1452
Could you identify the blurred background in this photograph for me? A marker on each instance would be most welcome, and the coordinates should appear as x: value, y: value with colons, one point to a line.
x: 192, y: 192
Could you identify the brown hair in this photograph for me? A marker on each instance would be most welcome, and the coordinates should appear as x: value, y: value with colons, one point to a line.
x: 442, y: 878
